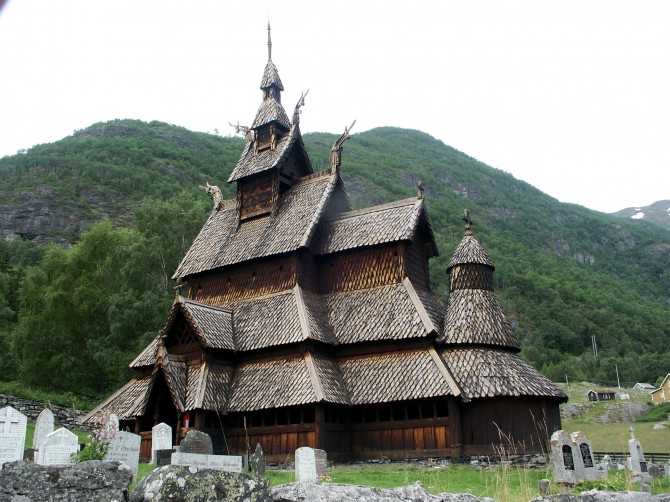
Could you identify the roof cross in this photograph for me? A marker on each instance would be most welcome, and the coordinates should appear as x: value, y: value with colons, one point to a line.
x: 468, y: 221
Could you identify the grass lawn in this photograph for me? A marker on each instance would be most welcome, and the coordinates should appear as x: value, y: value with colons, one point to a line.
x: 614, y: 437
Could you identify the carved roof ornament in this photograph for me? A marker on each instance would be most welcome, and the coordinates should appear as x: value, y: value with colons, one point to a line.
x: 298, y: 106
x: 336, y: 150
x: 468, y: 221
x: 421, y: 188
x: 178, y: 285
x: 216, y: 194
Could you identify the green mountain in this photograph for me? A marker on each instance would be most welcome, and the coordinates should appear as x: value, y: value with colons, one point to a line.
x: 657, y: 213
x: 574, y: 281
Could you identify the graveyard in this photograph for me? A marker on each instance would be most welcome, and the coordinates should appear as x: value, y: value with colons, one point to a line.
x: 571, y: 466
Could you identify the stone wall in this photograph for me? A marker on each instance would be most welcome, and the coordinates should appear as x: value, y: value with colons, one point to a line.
x: 67, y: 417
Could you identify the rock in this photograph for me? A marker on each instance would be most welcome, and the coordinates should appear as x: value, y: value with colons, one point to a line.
x: 191, y: 484
x: 598, y: 496
x: 660, y: 427
x: 657, y: 471
x: 93, y: 481
x: 308, y: 491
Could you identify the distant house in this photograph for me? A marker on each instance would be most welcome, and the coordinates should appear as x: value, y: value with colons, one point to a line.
x: 600, y: 395
x: 643, y: 386
x: 662, y: 394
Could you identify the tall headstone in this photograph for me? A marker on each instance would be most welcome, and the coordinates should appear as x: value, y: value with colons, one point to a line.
x: 586, y: 468
x: 113, y: 422
x: 257, y: 462
x: 12, y: 434
x: 125, y: 447
x: 161, y: 439
x: 310, y: 464
x: 58, y: 448
x: 196, y: 442
x: 43, y: 426
x: 563, y: 457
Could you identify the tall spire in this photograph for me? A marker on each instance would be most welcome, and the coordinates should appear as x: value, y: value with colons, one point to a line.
x: 269, y: 43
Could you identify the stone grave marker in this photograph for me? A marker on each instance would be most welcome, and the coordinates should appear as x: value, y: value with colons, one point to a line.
x: 113, y: 422
x: 196, y: 450
x: 12, y: 434
x: 43, y: 426
x: 164, y: 457
x: 161, y: 439
x: 563, y: 457
x: 229, y: 463
x: 58, y: 448
x: 196, y: 442
x: 125, y: 447
x: 257, y: 462
x: 310, y: 464
x: 586, y: 468
x: 637, y: 460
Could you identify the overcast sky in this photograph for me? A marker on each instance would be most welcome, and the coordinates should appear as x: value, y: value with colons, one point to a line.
x: 571, y: 96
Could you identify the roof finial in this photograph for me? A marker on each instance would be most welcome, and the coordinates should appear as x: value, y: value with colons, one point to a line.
x: 269, y: 43
x: 336, y: 150
x: 179, y: 284
x: 421, y: 188
x: 468, y: 221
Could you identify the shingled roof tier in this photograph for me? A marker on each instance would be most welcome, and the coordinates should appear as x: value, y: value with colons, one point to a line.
x: 391, y: 312
x: 271, y: 76
x: 397, y: 376
x: 128, y: 402
x: 397, y: 221
x: 475, y: 317
x: 223, y: 242
x: 269, y: 111
x: 285, y: 381
x: 482, y: 373
x: 470, y: 251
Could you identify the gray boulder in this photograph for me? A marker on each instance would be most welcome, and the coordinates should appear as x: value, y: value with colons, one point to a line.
x: 192, y: 484
x: 598, y: 496
x: 93, y: 481
x: 308, y: 491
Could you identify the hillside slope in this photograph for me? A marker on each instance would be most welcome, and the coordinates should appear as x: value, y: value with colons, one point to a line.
x: 566, y: 275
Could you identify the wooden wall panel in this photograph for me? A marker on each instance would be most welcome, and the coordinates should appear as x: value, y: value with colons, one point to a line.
x: 260, y: 278
x: 255, y: 196
x: 361, y: 268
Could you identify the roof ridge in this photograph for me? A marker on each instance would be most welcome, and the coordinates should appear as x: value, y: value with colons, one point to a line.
x: 183, y: 299
x: 374, y: 209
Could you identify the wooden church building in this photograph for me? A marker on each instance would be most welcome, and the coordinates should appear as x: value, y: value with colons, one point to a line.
x: 306, y: 323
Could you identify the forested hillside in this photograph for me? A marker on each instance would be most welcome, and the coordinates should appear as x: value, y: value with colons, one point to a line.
x: 96, y: 223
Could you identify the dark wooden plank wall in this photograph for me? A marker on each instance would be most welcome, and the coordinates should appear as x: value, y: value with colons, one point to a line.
x: 361, y: 268
x: 508, y: 425
x: 255, y: 195
x: 263, y: 277
x: 278, y: 442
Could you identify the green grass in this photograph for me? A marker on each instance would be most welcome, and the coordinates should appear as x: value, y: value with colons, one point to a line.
x: 659, y: 413
x: 614, y: 437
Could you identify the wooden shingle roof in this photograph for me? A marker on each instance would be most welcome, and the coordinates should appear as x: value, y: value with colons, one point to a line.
x: 392, y: 222
x: 475, y: 316
x: 469, y: 251
x: 391, y: 312
x: 252, y: 163
x: 148, y: 355
x: 482, y: 373
x: 396, y: 376
x: 221, y: 242
x: 271, y: 110
x: 212, y: 325
x: 284, y: 381
x: 271, y: 76
x: 128, y: 402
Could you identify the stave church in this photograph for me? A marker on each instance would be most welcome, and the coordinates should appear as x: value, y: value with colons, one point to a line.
x: 302, y: 322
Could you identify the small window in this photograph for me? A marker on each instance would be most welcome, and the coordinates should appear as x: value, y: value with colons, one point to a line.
x: 356, y: 416
x: 441, y: 408
x: 370, y: 414
x: 398, y: 410
x: 427, y: 410
x: 413, y: 411
x: 294, y: 416
x: 282, y: 417
x: 308, y: 416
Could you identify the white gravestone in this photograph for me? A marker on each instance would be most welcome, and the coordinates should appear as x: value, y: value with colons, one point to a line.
x: 563, y: 456
x: 58, y: 447
x: 12, y: 434
x: 125, y: 447
x: 229, y: 463
x: 161, y: 439
x: 310, y: 464
x: 43, y: 426
x: 637, y: 461
x: 586, y: 467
